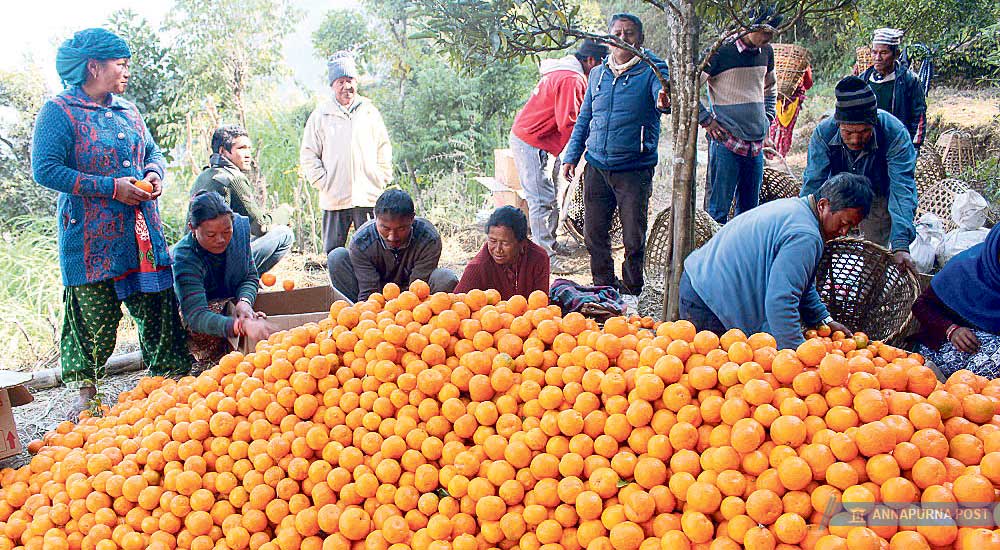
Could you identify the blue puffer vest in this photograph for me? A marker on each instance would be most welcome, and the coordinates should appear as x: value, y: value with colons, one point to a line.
x: 619, y: 123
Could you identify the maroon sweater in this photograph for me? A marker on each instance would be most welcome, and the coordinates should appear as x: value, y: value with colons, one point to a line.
x: 530, y: 273
x: 935, y: 318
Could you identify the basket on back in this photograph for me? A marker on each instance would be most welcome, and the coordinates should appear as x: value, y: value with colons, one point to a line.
x: 929, y: 170
x: 863, y: 288
x: 939, y: 197
x: 790, y: 64
x: 573, y: 206
x: 863, y: 59
x: 958, y: 151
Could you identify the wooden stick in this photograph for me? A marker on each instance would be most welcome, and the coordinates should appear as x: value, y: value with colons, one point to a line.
x: 117, y: 364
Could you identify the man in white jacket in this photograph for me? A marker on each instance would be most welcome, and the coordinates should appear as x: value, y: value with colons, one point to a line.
x: 345, y: 153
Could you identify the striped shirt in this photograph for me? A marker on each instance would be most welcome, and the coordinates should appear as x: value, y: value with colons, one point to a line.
x: 742, y: 92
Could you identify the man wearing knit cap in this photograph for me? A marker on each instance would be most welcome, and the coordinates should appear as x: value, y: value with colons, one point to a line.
x: 742, y: 92
x: 896, y: 89
x: 345, y: 153
x: 863, y: 139
x: 540, y: 133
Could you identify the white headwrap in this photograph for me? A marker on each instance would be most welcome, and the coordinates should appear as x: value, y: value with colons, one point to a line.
x: 888, y: 36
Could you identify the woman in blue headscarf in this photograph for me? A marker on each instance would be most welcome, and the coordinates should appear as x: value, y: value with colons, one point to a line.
x: 959, y: 313
x: 93, y: 147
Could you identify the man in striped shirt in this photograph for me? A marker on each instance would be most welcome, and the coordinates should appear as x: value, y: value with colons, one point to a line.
x: 742, y: 93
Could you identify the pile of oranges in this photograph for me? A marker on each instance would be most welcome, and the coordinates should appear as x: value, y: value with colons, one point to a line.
x: 436, y: 422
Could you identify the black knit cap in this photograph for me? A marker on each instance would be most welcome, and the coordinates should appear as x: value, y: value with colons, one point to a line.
x: 856, y: 102
x: 592, y: 48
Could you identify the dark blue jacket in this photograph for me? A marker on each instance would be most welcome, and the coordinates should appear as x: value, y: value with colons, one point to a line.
x: 619, y: 124
x: 888, y: 161
x: 908, y: 103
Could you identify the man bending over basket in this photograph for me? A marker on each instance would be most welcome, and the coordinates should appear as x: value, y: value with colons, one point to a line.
x: 863, y: 139
x: 758, y: 272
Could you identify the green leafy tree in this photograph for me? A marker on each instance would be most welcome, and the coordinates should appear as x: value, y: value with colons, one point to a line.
x: 343, y: 30
x: 22, y: 94
x: 439, y: 118
x: 476, y: 32
x: 223, y: 47
x: 155, y: 84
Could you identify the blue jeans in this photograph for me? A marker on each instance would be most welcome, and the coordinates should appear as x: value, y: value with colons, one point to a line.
x: 694, y: 309
x: 730, y: 174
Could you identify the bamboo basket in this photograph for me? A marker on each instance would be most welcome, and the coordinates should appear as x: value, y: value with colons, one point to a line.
x: 938, y: 199
x: 574, y: 212
x: 863, y: 288
x: 659, y: 249
x: 958, y: 151
x: 775, y: 185
x: 778, y: 185
x: 862, y: 59
x: 929, y: 170
x: 790, y: 64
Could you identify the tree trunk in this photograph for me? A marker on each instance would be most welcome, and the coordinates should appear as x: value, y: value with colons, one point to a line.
x: 684, y: 92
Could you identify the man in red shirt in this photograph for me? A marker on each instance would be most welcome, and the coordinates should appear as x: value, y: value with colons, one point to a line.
x: 541, y: 131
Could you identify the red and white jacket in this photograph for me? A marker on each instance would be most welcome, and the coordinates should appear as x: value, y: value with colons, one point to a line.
x: 546, y: 120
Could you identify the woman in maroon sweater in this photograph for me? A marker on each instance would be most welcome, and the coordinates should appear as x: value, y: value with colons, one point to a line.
x: 959, y: 313
x: 508, y: 261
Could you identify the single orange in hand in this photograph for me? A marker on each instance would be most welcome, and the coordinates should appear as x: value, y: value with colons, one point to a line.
x: 144, y: 185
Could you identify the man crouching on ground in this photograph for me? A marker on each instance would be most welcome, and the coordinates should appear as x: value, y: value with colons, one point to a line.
x: 758, y: 272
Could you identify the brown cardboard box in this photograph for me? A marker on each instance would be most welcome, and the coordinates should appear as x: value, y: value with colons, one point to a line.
x: 292, y: 308
x: 12, y: 394
x: 503, y: 195
x: 505, y: 169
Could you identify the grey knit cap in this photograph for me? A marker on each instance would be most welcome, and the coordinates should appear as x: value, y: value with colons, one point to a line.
x: 341, y: 64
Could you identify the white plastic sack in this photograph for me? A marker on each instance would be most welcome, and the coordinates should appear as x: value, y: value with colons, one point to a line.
x: 958, y: 240
x: 930, y: 235
x: 969, y: 210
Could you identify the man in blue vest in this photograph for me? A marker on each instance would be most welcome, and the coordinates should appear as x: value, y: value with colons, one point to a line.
x: 865, y: 140
x: 619, y: 127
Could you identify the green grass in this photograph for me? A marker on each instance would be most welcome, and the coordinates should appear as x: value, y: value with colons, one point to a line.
x: 30, y: 292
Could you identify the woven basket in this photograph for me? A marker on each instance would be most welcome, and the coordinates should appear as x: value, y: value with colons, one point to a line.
x: 778, y: 185
x: 775, y: 185
x: 573, y: 206
x: 864, y: 290
x: 958, y: 151
x: 929, y: 170
x: 863, y: 59
x: 790, y: 64
x: 938, y: 199
x: 659, y: 245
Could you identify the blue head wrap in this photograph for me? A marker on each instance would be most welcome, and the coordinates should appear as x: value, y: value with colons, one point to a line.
x: 99, y: 44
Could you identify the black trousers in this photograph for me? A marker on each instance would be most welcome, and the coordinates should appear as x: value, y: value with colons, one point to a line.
x: 336, y: 224
x: 629, y: 191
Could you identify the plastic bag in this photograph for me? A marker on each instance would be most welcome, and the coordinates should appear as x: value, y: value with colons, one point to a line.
x: 924, y: 249
x: 958, y: 240
x: 969, y: 210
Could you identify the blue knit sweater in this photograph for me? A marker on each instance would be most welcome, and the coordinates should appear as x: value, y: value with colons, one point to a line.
x: 79, y: 148
x: 758, y: 272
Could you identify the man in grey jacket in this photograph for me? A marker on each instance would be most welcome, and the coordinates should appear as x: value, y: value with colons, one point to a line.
x: 395, y: 247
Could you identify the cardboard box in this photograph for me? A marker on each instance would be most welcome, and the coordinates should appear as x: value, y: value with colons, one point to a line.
x: 505, y: 169
x: 12, y: 394
x: 290, y: 309
x: 503, y: 195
